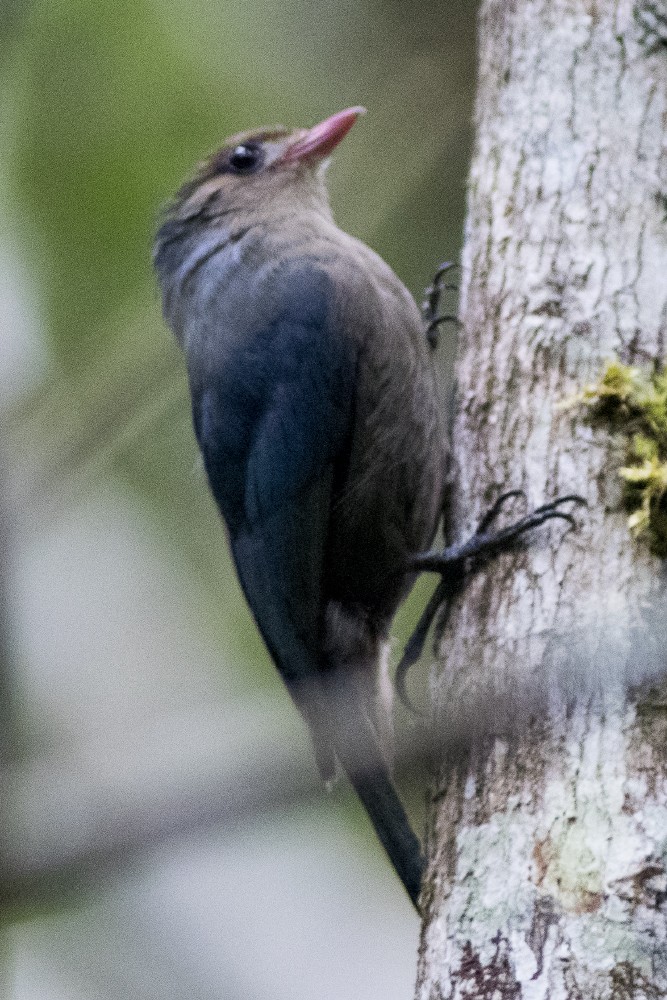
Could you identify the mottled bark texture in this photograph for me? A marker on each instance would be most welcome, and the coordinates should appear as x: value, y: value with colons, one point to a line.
x: 548, y: 833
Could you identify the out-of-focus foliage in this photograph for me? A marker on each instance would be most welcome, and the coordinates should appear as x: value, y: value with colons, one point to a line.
x: 114, y: 103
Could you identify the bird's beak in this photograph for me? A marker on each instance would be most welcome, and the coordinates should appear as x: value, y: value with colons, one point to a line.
x: 317, y: 142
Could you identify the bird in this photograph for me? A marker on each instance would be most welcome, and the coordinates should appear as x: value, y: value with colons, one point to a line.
x: 317, y: 411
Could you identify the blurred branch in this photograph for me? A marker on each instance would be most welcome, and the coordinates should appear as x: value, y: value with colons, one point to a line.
x: 74, y: 819
x: 70, y: 823
x: 66, y: 431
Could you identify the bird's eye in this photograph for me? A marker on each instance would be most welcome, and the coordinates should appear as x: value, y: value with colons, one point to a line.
x: 245, y: 158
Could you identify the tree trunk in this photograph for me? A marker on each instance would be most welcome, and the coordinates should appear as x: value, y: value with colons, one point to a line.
x: 547, y: 839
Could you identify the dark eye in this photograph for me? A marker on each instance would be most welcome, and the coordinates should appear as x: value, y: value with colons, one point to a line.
x: 245, y: 158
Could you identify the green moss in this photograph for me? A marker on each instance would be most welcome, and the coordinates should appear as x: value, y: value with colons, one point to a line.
x: 633, y: 402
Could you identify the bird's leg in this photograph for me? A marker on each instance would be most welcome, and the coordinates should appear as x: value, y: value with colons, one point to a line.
x: 451, y: 564
x: 431, y: 304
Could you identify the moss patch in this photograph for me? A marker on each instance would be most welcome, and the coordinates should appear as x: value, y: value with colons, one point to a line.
x: 633, y: 402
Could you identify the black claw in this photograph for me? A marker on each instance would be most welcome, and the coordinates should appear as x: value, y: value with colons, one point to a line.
x: 414, y: 647
x: 445, y: 318
x: 448, y: 265
x: 570, y: 498
x: 493, y: 513
x: 534, y: 520
x: 432, y: 331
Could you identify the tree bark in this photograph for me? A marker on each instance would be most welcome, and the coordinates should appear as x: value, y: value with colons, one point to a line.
x: 547, y: 840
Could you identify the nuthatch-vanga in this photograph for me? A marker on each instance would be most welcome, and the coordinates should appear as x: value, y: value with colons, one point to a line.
x: 318, y: 417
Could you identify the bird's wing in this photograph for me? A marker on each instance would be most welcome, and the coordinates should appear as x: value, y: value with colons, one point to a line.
x: 273, y: 423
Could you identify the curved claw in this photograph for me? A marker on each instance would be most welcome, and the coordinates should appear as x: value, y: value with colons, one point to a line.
x: 539, y: 516
x: 495, y: 510
x: 508, y: 494
x: 570, y: 498
x: 447, y: 265
x: 550, y: 515
x: 447, y: 318
x: 415, y: 644
x: 431, y: 329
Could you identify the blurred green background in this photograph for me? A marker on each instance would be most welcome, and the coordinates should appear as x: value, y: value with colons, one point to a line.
x: 121, y: 609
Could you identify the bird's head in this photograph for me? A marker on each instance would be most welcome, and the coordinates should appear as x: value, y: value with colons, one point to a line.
x: 269, y: 169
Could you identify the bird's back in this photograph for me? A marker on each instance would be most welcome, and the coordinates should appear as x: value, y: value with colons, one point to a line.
x: 388, y: 493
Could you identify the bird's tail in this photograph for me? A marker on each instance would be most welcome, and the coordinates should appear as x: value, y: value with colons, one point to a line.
x: 359, y: 754
x: 359, y: 721
x: 341, y: 720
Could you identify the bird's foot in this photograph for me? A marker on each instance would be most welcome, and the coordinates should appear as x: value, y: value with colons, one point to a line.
x: 431, y: 304
x: 452, y: 562
x: 485, y: 542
